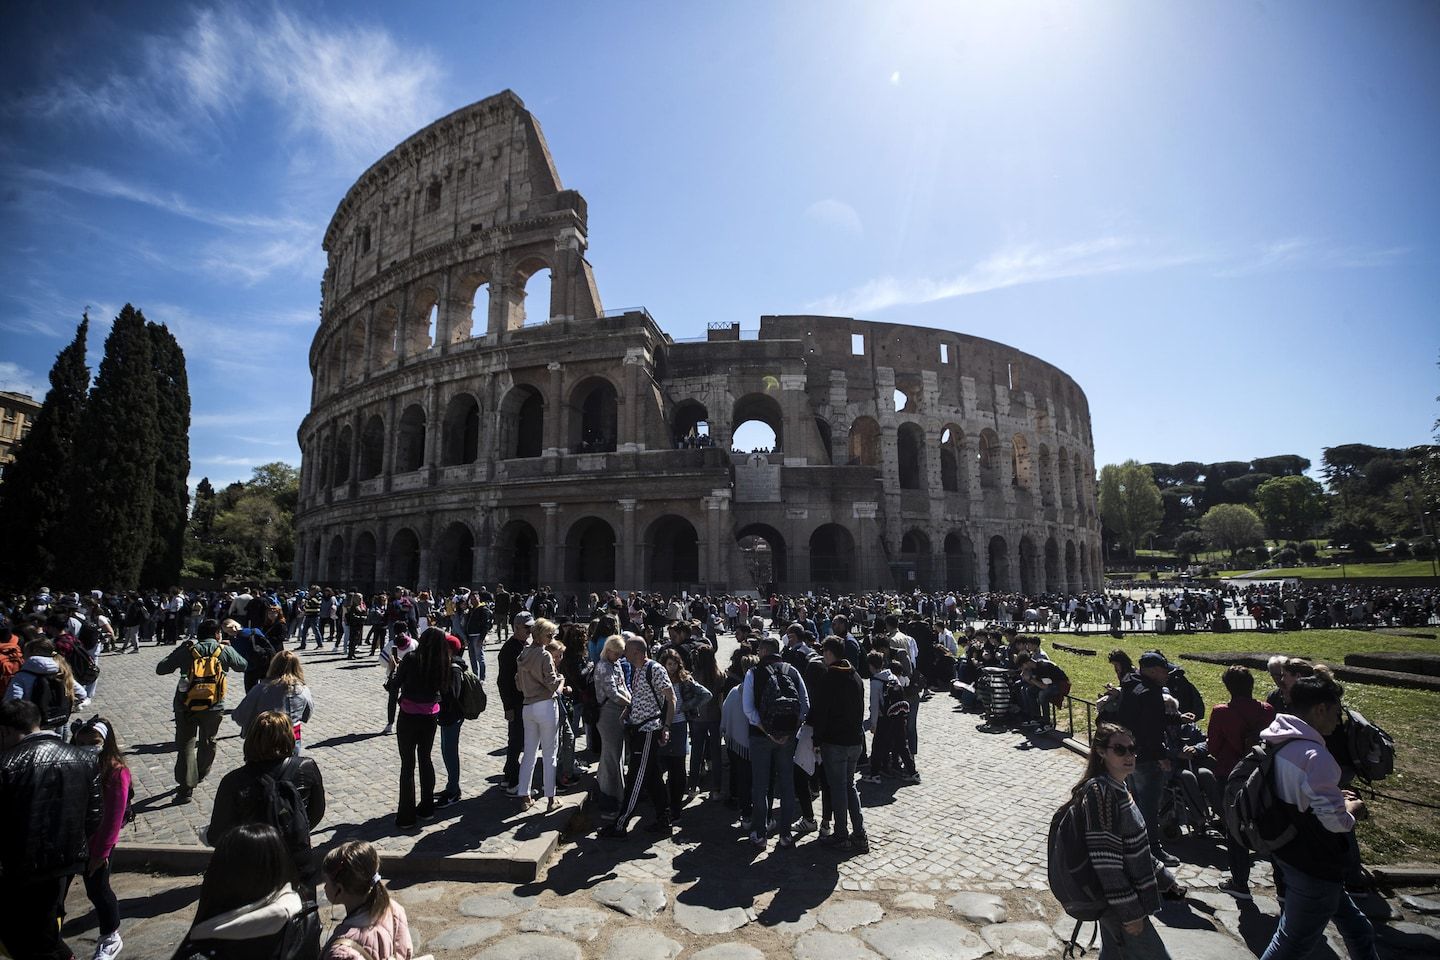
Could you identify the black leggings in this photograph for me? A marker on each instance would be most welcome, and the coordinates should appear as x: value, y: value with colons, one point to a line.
x: 107, y: 908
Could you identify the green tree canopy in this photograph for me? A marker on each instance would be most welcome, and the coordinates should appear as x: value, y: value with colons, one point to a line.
x: 1130, y: 505
x: 1291, y: 506
x: 1232, y: 527
x: 170, y: 507
x: 34, y: 500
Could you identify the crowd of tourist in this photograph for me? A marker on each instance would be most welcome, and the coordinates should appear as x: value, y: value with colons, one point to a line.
x: 779, y: 722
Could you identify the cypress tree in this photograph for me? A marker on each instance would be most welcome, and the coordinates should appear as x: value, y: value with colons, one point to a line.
x: 203, y: 516
x: 172, y: 461
x: 113, y: 488
x: 33, y: 499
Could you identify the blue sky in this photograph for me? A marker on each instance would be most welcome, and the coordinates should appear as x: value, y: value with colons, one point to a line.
x: 1220, y: 218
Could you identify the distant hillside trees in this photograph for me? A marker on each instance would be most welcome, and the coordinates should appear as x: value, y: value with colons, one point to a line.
x: 1130, y: 505
x: 246, y: 531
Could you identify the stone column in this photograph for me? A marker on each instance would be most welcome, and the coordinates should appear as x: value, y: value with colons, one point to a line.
x: 551, y: 551
x: 433, y: 429
x: 626, y: 575
x: 797, y: 421
x: 869, y: 560
x: 980, y: 557
x: 392, y: 428
x: 631, y: 437
x: 356, y: 425
x: 557, y: 422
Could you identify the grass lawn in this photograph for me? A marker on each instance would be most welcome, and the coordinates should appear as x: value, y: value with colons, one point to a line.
x: 1396, y: 832
x: 1400, y: 568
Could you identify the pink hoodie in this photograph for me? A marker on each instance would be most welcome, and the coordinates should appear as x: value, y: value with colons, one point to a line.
x: 1306, y: 774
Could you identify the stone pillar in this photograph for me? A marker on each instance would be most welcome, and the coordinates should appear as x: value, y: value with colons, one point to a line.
x: 797, y: 422
x: 433, y: 429
x: 980, y: 556
x: 392, y: 428
x: 631, y: 438
x: 428, y: 560
x: 551, y: 550
x: 626, y: 575
x: 557, y: 423
x: 869, y: 560
x: 356, y: 425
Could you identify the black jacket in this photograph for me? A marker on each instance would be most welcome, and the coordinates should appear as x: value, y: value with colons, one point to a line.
x: 230, y: 812
x: 1142, y: 712
x: 50, y: 804
x: 837, y: 706
x: 509, y: 665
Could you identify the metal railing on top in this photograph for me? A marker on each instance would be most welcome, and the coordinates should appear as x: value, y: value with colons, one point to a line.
x: 1087, y: 710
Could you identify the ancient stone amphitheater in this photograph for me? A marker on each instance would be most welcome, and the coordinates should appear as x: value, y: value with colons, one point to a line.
x: 462, y: 431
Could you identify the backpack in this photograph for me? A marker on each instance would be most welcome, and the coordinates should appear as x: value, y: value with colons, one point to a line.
x: 1072, y: 876
x: 206, y: 688
x: 261, y: 646
x: 779, y: 701
x: 472, y: 696
x: 894, y: 701
x: 85, y: 668
x: 48, y: 693
x: 11, y: 660
x: 276, y: 799
x: 1253, y: 812
x: 1371, y: 749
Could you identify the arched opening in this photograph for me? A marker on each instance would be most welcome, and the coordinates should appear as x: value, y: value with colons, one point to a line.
x: 690, y: 425
x: 832, y: 549
x: 460, y: 435
x: 954, y: 471
x: 959, y: 561
x: 910, y: 450
x: 1020, y: 462
x: 915, y: 559
x: 590, y: 554
x: 362, y: 566
x: 335, y: 560
x: 1047, y: 489
x: 410, y: 444
x: 456, y: 559
x: 372, y: 448
x: 595, y: 425
x: 327, y: 467
x: 479, y: 310
x: 827, y: 446
x: 999, y: 556
x: 517, y: 556
x: 1053, y: 581
x: 341, y: 472
x: 756, y: 424
x: 762, y: 550
x: 673, y: 547
x: 522, y: 423
x: 405, y: 559
x: 1028, y: 566
x: 422, y: 320
x: 865, y: 442
x: 987, y: 454
x: 1072, y: 569
x: 902, y: 401
x: 535, y: 299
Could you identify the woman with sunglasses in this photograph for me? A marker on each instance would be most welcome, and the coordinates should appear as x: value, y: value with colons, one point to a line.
x: 1120, y: 849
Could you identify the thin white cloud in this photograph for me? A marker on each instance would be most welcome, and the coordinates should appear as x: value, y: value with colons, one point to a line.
x: 353, y: 86
x: 17, y: 379
x: 833, y: 214
x: 1110, y: 255
x: 243, y: 418
x: 263, y: 441
x: 224, y: 461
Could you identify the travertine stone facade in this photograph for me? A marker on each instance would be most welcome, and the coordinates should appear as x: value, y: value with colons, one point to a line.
x: 461, y: 433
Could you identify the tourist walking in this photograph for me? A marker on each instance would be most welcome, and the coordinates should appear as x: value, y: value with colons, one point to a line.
x: 1234, y: 726
x: 97, y: 735
x: 284, y: 689
x: 199, y: 702
x: 399, y: 646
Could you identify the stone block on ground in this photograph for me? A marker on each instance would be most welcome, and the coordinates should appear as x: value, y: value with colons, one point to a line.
x: 978, y: 907
x: 530, y: 946
x: 729, y: 951
x: 577, y: 923
x: 493, y: 906
x: 709, y: 921
x: 465, y: 935
x: 632, y: 897
x: 827, y: 945
x: 641, y: 943
x: 1202, y: 944
x: 915, y: 901
x: 928, y: 938
x: 843, y: 915
x: 1427, y: 905
x: 1021, y: 938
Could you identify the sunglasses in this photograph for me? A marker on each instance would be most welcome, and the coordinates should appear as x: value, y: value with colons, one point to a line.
x: 1121, y: 749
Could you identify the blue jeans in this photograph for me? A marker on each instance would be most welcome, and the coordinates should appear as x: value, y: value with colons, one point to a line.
x: 840, y: 765
x: 1116, y: 944
x: 1310, y: 904
x: 308, y: 626
x: 1148, y: 783
x: 770, y: 764
x: 450, y: 755
x: 476, y: 643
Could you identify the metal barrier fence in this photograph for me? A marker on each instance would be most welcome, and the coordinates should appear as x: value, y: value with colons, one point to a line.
x: 1087, y: 713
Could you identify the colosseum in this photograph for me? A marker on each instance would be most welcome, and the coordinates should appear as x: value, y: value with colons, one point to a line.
x: 462, y: 431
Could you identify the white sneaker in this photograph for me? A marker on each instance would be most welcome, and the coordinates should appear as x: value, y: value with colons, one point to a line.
x: 802, y: 826
x: 389, y: 728
x: 108, y: 948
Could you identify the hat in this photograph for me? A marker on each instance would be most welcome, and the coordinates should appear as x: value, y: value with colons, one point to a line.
x: 523, y: 617
x: 455, y: 645
x: 1154, y: 658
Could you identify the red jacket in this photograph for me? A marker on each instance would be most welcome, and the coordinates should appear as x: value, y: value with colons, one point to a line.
x: 1233, y: 727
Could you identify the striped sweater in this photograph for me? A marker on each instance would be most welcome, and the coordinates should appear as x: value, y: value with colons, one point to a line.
x: 1120, y: 849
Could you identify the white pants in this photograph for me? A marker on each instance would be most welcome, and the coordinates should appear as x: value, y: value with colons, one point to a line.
x: 542, y: 732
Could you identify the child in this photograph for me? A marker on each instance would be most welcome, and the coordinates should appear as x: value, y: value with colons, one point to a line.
x: 97, y: 734
x: 374, y: 925
x: 889, y: 710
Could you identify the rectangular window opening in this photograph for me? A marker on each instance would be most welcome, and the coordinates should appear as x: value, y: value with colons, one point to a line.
x: 944, y: 353
x: 1010, y: 374
x: 857, y: 344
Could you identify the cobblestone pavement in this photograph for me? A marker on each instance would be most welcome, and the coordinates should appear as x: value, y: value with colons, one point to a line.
x: 956, y: 867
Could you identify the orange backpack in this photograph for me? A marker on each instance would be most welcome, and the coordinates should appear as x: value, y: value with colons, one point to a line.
x: 11, y: 660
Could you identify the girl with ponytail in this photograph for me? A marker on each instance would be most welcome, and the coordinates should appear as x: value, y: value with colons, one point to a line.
x: 375, y: 927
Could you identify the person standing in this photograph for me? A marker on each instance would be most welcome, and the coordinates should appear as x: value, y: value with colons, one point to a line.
x: 419, y: 680
x: 50, y: 802
x: 647, y: 729
x: 1307, y: 784
x: 837, y: 716
x: 1142, y: 710
x: 98, y: 736
x: 539, y: 684
x: 476, y: 623
x: 612, y: 691
x: 776, y: 703
x: 510, y: 696
x: 1234, y: 727
x: 199, y: 702
x: 450, y: 719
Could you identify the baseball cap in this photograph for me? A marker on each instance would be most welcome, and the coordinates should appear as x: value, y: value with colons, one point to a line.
x: 523, y: 617
x: 455, y: 645
x: 1154, y: 658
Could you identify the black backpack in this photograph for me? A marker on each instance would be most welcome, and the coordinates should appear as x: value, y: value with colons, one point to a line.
x: 1072, y: 876
x: 779, y: 700
x: 278, y: 800
x: 49, y: 695
x: 1253, y: 812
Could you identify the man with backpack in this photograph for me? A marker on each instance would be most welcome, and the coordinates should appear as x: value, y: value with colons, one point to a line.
x: 199, y: 702
x: 776, y: 703
x: 1142, y: 711
x: 647, y: 730
x: 1311, y: 853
